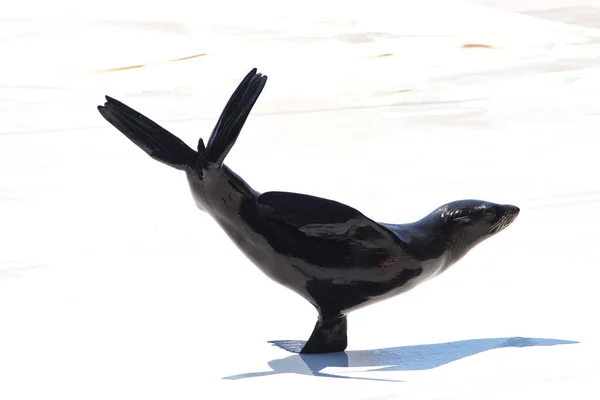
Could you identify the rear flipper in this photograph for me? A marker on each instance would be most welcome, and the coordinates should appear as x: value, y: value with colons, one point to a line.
x: 156, y: 141
x: 165, y: 147
x: 233, y: 117
x: 329, y: 336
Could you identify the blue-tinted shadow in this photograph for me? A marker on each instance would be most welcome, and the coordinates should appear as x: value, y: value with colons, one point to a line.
x: 404, y: 358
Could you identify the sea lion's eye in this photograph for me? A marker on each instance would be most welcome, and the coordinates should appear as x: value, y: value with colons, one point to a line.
x: 489, y: 213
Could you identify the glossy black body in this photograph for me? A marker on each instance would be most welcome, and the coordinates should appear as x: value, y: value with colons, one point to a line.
x: 327, y: 252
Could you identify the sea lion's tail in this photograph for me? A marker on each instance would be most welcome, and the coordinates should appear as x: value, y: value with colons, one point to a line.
x: 155, y: 140
x: 233, y: 117
x: 167, y: 148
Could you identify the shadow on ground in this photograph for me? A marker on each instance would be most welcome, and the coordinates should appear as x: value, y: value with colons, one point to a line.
x: 404, y: 358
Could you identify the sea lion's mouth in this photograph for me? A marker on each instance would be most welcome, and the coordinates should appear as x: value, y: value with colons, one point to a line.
x: 507, y: 217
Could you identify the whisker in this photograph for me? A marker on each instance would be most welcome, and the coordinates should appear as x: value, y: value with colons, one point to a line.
x: 502, y: 223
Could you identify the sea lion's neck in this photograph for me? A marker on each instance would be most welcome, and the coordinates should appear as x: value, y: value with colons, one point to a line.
x: 424, y: 241
x: 431, y: 239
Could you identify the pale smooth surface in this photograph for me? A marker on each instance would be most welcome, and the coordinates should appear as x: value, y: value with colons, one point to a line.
x: 113, y: 286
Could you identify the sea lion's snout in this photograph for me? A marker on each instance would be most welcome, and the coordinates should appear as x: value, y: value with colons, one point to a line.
x: 508, y: 213
x: 511, y: 211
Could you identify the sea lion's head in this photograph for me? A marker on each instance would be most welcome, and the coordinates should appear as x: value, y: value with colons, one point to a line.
x: 466, y: 223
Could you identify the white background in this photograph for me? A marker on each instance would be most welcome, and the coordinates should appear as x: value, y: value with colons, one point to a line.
x: 114, y: 286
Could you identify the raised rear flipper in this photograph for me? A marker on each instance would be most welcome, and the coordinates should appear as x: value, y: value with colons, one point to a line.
x: 155, y: 140
x: 167, y: 148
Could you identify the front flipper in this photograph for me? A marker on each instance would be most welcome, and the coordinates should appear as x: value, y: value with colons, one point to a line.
x: 329, y: 336
x: 323, y: 219
x: 293, y: 346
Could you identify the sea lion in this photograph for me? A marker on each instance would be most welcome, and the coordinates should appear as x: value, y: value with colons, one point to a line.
x: 327, y: 252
